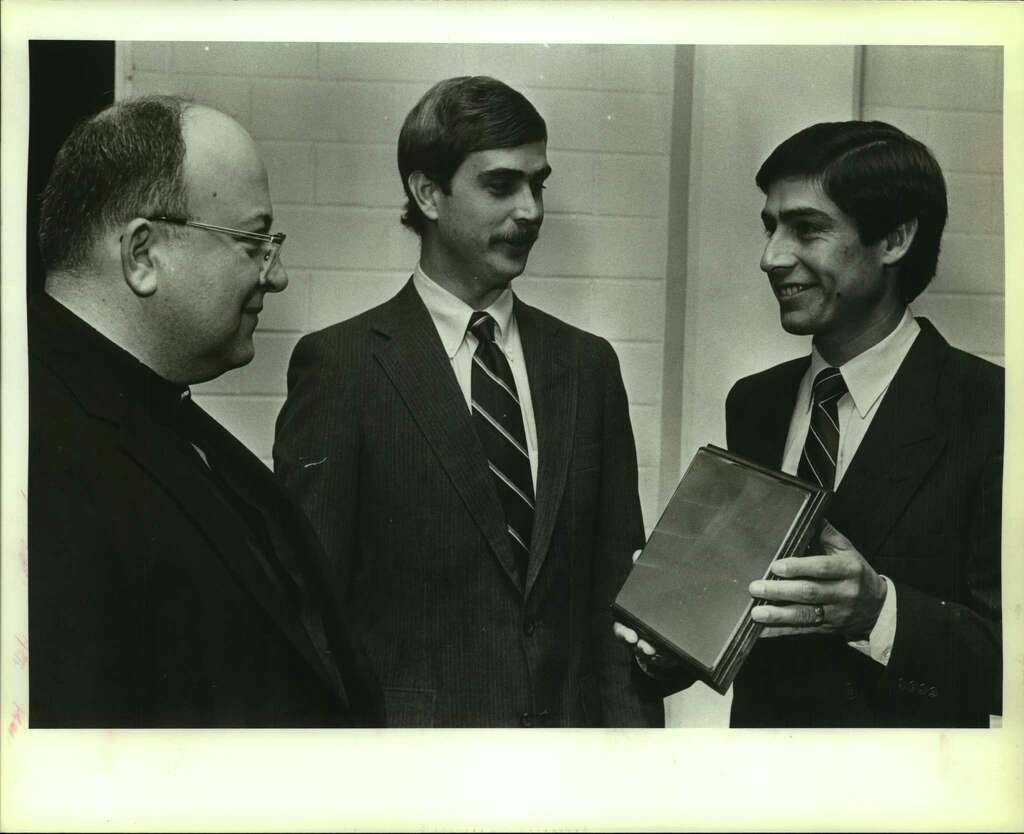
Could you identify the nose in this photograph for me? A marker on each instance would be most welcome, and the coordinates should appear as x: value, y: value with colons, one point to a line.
x: 277, y: 279
x: 777, y: 254
x: 530, y: 205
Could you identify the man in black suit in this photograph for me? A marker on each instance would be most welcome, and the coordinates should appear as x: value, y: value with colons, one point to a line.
x: 467, y: 459
x: 896, y: 620
x: 172, y: 583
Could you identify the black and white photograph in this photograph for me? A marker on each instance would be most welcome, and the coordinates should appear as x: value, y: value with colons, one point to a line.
x: 359, y: 384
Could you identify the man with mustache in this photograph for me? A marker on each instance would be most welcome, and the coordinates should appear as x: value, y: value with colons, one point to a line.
x: 894, y: 621
x: 468, y: 459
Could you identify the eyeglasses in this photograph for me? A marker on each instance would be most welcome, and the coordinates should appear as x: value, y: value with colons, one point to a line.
x: 271, y: 243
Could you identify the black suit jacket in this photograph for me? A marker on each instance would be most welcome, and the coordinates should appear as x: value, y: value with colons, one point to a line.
x: 921, y: 500
x: 376, y: 442
x: 148, y: 606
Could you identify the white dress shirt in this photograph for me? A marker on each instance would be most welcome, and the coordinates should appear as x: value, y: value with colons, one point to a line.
x: 451, y: 318
x: 867, y: 378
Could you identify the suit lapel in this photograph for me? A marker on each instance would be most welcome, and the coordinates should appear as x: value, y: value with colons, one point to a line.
x: 294, y: 549
x: 900, y: 447
x: 553, y: 382
x: 202, y: 503
x: 411, y: 354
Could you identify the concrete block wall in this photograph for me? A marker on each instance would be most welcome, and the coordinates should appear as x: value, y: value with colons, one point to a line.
x: 951, y: 98
x: 327, y: 117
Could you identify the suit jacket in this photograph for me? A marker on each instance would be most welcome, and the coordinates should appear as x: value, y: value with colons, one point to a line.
x: 376, y: 442
x: 921, y: 501
x: 149, y: 601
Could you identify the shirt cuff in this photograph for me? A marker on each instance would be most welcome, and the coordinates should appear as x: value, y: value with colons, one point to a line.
x: 880, y: 641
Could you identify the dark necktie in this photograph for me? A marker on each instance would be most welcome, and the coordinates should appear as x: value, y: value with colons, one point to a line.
x: 821, y: 448
x: 498, y: 419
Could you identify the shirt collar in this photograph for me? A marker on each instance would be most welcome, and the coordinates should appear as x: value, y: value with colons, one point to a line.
x: 868, y: 374
x: 451, y: 314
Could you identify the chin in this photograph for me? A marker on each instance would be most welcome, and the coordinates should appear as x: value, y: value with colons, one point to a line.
x: 505, y: 268
x: 242, y: 355
x: 798, y: 325
x: 214, y: 365
x: 503, y: 277
x: 498, y: 278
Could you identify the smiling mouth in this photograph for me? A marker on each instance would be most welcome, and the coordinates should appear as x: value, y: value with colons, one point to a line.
x: 791, y: 290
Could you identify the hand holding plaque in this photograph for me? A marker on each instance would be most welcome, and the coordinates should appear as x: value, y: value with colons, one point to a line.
x: 836, y: 592
x: 727, y: 521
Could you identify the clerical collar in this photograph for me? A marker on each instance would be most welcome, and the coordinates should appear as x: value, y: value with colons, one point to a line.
x: 74, y: 336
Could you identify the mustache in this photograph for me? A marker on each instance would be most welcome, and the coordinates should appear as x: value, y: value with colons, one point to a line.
x: 520, y: 237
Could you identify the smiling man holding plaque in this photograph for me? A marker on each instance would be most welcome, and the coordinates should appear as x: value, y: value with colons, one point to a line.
x: 895, y: 619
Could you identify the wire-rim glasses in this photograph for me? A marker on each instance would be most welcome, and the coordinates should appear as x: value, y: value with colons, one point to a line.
x: 272, y: 243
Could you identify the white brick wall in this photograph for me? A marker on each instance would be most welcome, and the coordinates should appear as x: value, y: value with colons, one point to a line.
x: 951, y: 99
x: 327, y: 117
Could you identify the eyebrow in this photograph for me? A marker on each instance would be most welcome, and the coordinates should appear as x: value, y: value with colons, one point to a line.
x: 799, y: 213
x: 498, y: 173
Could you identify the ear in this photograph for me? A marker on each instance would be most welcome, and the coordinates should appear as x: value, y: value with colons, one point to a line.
x: 426, y: 193
x: 137, y: 265
x: 897, y: 243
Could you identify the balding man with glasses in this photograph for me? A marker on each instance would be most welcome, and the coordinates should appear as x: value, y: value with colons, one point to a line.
x: 172, y: 582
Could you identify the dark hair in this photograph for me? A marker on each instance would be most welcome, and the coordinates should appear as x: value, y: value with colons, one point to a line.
x: 879, y: 177
x: 457, y: 117
x: 124, y: 162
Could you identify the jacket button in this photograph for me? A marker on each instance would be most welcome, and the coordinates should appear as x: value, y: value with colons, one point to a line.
x: 526, y: 720
x: 851, y: 692
x: 933, y: 692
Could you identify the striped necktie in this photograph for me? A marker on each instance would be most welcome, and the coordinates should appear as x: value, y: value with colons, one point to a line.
x: 498, y: 420
x: 821, y: 448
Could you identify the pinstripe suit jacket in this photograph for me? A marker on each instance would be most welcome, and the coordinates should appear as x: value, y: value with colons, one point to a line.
x: 921, y: 501
x: 376, y: 443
